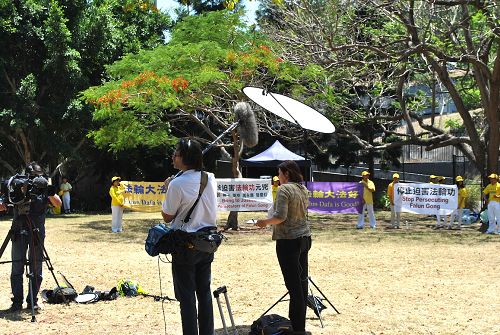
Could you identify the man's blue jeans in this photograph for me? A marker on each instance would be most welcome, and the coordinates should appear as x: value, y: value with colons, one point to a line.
x: 191, y: 271
x: 25, y: 241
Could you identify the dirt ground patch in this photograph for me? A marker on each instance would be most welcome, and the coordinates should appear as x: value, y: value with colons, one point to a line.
x: 414, y: 280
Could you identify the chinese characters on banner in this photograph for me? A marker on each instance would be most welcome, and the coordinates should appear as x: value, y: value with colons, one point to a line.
x: 425, y: 198
x: 335, y: 197
x: 144, y: 196
x: 244, y: 195
x: 247, y: 195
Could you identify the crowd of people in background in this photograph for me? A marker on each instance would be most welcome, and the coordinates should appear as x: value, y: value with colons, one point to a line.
x: 491, y: 195
x: 443, y: 220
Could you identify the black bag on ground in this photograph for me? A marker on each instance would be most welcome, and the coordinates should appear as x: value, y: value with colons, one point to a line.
x: 272, y: 324
x: 59, y: 295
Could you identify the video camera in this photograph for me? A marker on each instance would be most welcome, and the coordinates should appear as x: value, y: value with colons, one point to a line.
x: 19, y: 189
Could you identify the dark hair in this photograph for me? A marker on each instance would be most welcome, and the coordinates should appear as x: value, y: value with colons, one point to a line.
x: 294, y: 174
x: 34, y: 168
x: 190, y: 152
x: 460, y: 184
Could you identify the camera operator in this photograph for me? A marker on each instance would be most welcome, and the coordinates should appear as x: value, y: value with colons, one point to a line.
x: 191, y: 269
x: 28, y: 234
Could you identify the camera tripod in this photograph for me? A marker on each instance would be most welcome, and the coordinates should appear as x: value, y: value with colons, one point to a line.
x: 35, y: 244
x: 315, y: 302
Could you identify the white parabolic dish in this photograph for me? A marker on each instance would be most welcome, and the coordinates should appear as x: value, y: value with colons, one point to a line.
x: 290, y: 110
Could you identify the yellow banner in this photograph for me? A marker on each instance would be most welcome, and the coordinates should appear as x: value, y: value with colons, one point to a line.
x: 144, y: 196
x: 236, y: 194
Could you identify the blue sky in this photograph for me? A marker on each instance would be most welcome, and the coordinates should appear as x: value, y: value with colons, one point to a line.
x: 251, y: 7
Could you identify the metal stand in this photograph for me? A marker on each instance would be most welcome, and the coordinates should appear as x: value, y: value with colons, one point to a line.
x: 316, y: 307
x: 35, y: 240
x: 217, y: 293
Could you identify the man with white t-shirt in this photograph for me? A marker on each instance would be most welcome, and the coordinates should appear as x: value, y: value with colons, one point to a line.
x: 191, y: 269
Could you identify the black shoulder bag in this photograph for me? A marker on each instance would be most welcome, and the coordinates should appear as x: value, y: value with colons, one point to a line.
x: 206, y: 239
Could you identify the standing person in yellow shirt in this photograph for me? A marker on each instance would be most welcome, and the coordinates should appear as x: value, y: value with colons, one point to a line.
x: 395, y: 212
x: 462, y: 196
x: 368, y: 190
x: 66, y: 189
x: 491, y: 195
x: 275, y: 186
x: 116, y: 191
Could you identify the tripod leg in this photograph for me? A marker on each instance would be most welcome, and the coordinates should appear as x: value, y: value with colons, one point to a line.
x: 310, y: 280
x: 45, y: 256
x: 5, y: 242
x: 277, y: 302
x: 30, y: 276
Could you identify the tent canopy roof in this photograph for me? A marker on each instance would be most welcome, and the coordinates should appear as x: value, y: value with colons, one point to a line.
x: 274, y: 155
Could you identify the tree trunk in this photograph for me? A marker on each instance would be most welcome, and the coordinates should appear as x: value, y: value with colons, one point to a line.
x: 232, y: 219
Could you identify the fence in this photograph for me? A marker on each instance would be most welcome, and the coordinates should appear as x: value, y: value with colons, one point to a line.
x: 417, y: 153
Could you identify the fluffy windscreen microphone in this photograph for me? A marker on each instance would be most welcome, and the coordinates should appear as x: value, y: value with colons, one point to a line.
x: 248, y: 129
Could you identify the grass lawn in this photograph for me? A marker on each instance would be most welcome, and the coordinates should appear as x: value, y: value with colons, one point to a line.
x: 414, y: 280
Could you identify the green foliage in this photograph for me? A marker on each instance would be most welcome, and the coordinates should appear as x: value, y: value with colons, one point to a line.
x: 49, y: 51
x: 474, y: 195
x: 383, y: 201
x: 454, y: 125
x: 205, y: 65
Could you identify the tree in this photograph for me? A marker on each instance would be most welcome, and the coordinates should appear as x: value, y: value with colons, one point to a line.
x: 49, y: 51
x: 388, y: 47
x: 189, y: 87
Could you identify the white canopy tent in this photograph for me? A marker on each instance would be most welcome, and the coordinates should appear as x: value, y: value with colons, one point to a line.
x: 271, y: 157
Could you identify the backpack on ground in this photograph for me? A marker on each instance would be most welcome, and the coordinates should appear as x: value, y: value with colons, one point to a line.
x: 483, y: 216
x: 271, y: 324
x: 60, y: 293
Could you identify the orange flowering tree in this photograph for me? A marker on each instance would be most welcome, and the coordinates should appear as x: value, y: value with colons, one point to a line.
x: 187, y: 87
x: 190, y: 86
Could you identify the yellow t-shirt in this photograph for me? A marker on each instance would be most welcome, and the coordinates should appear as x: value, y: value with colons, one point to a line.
x: 390, y: 192
x: 275, y: 190
x: 116, y: 193
x: 368, y: 190
x: 462, y: 195
x: 492, y: 190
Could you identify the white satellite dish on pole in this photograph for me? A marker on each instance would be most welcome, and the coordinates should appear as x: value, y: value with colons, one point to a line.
x: 290, y: 110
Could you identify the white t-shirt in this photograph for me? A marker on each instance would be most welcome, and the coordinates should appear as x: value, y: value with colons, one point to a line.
x: 181, y: 195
